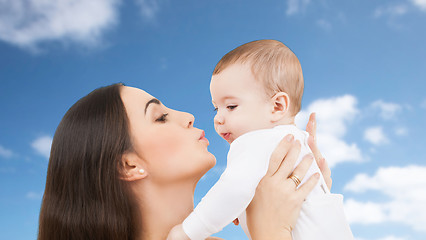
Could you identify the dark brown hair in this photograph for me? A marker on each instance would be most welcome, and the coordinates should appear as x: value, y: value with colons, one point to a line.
x: 84, y: 196
x: 273, y: 64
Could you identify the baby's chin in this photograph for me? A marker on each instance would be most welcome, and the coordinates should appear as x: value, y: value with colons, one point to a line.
x: 231, y: 138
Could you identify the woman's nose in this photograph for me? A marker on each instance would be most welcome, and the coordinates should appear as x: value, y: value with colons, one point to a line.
x: 191, y: 120
x: 188, y: 119
x: 183, y: 118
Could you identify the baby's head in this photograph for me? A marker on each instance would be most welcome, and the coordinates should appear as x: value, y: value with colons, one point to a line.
x: 258, y: 85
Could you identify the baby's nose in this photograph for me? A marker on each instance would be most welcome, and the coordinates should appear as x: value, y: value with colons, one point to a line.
x: 218, y: 119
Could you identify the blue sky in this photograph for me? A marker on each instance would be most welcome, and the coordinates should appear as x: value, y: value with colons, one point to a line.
x: 364, y: 65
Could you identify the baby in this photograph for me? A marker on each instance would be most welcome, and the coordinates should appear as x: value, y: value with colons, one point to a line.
x: 257, y: 91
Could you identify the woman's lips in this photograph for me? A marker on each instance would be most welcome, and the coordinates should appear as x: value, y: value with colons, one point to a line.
x: 203, y: 138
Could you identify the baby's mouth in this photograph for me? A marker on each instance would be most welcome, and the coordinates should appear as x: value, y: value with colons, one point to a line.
x: 226, y: 136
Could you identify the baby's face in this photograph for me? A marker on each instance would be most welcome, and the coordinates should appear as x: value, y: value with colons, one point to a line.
x: 240, y: 102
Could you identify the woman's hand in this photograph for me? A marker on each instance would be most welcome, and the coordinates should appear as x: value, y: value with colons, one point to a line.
x: 311, y: 128
x: 273, y: 212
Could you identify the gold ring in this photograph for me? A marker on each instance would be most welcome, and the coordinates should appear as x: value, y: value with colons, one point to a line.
x: 295, y: 179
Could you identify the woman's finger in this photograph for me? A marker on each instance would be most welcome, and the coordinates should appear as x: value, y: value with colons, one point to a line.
x: 315, y: 150
x: 287, y: 166
x: 308, y: 186
x: 279, y: 154
x: 303, y: 167
x: 326, y: 172
x: 311, y: 128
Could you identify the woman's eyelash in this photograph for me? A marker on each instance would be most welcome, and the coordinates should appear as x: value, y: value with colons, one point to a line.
x: 162, y: 118
x: 215, y: 109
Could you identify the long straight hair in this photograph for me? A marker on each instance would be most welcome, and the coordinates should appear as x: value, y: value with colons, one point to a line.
x: 84, y: 196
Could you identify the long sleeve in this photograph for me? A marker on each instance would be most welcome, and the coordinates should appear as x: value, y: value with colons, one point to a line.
x: 248, y: 160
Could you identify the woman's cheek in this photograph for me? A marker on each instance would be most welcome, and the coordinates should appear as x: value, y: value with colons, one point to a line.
x: 169, y: 158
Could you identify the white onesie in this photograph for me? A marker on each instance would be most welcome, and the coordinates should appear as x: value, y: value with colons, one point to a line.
x: 321, y: 216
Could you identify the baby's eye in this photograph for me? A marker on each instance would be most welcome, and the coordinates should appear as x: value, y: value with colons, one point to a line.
x: 232, y: 107
x: 162, y: 118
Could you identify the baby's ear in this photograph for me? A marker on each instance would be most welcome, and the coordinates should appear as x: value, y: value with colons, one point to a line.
x: 132, y: 169
x: 280, y: 103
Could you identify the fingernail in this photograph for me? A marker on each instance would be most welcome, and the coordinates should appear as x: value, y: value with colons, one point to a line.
x: 316, y: 175
x: 289, y: 138
x: 310, y: 156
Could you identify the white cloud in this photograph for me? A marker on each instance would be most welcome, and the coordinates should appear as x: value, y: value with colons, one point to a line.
x: 423, y: 104
x: 420, y: 4
x: 148, y: 8
x: 42, y: 145
x: 387, y: 110
x: 34, y: 196
x: 401, y: 131
x: 28, y: 23
x: 333, y: 116
x: 405, y: 188
x: 296, y: 6
x: 392, y: 238
x: 375, y: 135
x: 391, y: 10
x: 366, y: 213
x: 324, y: 24
x: 4, y: 152
x: 384, y: 238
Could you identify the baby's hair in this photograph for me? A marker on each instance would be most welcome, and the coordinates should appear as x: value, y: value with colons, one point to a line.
x: 272, y: 63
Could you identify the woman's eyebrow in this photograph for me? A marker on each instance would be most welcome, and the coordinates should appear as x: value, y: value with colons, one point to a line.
x: 154, y: 100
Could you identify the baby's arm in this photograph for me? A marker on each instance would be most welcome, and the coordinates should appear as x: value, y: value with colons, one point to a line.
x: 233, y: 192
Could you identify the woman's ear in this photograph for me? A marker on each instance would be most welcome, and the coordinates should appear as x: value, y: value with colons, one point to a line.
x: 280, y: 103
x: 132, y: 168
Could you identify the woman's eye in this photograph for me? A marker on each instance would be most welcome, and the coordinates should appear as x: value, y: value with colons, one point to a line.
x: 232, y: 107
x: 162, y: 118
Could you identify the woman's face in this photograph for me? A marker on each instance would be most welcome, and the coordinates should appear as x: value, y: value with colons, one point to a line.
x: 166, y: 141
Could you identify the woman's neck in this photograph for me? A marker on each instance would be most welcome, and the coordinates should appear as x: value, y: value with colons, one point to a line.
x: 163, y: 206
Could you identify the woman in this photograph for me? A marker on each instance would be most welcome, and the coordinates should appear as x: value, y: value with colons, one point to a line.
x: 124, y: 166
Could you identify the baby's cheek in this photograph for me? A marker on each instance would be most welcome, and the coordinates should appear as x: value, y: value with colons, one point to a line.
x: 242, y: 126
x: 215, y: 128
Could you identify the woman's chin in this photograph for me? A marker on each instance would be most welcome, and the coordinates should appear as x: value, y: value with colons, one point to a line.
x: 209, y: 165
x: 212, y: 162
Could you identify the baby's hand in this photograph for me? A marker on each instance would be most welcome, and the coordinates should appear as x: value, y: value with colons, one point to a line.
x: 177, y: 233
